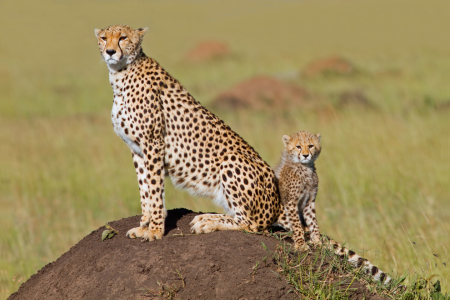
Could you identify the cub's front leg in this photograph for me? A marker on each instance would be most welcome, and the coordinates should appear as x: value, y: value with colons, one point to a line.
x: 150, y: 175
x: 309, y: 213
x: 292, y: 212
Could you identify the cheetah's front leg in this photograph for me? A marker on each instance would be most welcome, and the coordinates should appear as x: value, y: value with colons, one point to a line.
x: 150, y: 174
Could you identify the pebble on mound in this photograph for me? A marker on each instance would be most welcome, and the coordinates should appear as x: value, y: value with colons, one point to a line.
x: 262, y: 93
x: 218, y: 265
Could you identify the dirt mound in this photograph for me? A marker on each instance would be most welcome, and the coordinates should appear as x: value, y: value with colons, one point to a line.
x: 354, y: 98
x: 208, y: 50
x: 262, y: 92
x: 333, y: 65
x: 218, y: 265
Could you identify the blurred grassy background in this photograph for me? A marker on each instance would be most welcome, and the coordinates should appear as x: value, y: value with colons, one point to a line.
x: 384, y: 173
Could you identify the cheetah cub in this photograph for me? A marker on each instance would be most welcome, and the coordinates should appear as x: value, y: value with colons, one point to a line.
x: 298, y: 183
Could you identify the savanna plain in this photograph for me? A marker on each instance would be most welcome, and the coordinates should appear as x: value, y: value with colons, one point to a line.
x: 384, y: 169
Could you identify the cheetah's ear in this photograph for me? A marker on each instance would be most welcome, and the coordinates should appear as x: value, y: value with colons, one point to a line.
x: 286, y: 139
x: 318, y: 136
x: 97, y: 32
x: 141, y: 31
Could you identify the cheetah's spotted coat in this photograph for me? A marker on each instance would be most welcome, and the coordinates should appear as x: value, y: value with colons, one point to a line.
x: 168, y: 131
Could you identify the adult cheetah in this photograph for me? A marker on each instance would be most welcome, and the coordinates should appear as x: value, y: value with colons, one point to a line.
x: 168, y: 131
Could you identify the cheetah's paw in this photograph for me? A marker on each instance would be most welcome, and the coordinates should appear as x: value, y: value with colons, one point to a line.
x: 145, y: 233
x: 202, y: 224
x: 151, y: 235
x: 136, y: 232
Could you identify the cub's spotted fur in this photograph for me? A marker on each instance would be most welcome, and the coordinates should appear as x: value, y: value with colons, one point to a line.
x: 298, y: 182
x: 168, y: 131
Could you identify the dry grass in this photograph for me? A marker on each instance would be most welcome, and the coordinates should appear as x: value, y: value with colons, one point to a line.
x: 384, y: 173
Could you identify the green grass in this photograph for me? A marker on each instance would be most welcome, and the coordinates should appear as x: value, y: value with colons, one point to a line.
x: 384, y: 173
x: 321, y: 274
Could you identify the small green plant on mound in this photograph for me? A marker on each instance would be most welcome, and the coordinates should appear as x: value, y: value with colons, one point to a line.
x: 109, y: 232
x: 324, y: 275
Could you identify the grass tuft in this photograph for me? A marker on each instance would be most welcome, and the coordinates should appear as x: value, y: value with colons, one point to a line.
x: 321, y: 274
x: 166, y: 291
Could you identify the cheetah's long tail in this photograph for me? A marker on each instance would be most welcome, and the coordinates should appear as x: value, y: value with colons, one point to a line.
x: 359, y: 262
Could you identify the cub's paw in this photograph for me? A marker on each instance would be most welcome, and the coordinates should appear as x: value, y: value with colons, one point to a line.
x: 301, y: 248
x: 202, y: 224
x: 315, y: 240
x: 136, y: 232
x: 316, y: 243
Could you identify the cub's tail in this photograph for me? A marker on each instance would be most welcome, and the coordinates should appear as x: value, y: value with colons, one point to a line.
x: 358, y: 261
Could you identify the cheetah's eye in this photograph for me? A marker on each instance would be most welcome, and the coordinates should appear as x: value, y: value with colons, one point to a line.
x: 122, y: 38
x: 104, y: 38
x: 299, y: 147
x: 310, y: 146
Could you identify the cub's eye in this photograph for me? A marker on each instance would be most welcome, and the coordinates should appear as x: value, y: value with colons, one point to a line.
x: 299, y: 147
x: 310, y: 146
x: 122, y: 38
x: 104, y: 38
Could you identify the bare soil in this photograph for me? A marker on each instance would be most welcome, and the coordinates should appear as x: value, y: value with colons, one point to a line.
x: 333, y: 65
x: 219, y: 265
x: 354, y: 99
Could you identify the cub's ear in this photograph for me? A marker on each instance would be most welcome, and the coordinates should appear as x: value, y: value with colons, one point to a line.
x: 141, y: 31
x: 286, y: 139
x: 97, y: 32
x: 318, y: 136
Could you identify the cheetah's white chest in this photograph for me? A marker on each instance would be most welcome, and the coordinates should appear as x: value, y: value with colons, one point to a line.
x: 120, y: 118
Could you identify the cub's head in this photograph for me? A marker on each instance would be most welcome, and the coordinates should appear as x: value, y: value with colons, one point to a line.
x: 302, y: 147
x: 119, y: 44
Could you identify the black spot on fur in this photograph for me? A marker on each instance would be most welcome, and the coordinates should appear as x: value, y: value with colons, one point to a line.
x: 374, y: 270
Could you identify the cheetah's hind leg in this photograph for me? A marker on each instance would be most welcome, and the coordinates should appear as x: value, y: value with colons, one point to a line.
x: 213, y: 222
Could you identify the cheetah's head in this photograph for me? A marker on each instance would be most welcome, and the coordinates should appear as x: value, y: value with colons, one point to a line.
x: 302, y: 147
x: 119, y: 45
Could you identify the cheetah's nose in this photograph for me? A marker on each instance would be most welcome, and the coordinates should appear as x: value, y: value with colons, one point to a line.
x: 305, y: 155
x: 110, y: 52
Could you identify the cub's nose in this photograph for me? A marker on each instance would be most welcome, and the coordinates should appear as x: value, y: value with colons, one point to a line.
x: 305, y: 155
x: 111, y: 52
